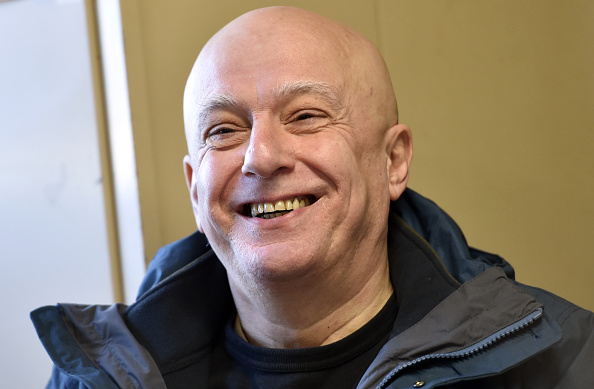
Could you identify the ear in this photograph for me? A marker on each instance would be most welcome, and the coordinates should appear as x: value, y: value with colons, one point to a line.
x: 400, y: 151
x: 191, y: 184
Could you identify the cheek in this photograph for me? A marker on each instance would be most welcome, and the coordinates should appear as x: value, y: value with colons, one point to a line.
x: 331, y: 149
x: 353, y: 161
x: 216, y: 178
x: 209, y: 187
x: 365, y: 177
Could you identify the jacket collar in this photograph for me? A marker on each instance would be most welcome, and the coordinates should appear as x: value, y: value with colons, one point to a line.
x: 181, y: 315
x: 442, y: 233
x: 440, y: 319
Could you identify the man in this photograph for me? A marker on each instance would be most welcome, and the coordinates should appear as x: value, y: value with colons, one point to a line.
x: 319, y: 268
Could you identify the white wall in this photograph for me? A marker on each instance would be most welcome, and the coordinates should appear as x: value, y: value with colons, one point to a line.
x: 53, y: 244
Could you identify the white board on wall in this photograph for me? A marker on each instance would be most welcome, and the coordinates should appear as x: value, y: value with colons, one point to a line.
x: 53, y: 242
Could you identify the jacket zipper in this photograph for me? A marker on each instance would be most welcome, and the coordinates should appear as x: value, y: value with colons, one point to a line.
x: 468, y: 351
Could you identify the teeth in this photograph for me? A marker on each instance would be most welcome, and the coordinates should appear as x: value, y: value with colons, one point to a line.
x: 265, y: 210
x: 273, y: 215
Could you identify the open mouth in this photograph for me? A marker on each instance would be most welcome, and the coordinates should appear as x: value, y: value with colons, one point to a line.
x: 279, y: 208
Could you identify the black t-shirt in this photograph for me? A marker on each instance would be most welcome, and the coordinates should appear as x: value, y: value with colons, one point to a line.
x: 238, y: 364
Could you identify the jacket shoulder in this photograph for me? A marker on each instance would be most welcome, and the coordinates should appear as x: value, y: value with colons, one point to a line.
x: 61, y: 380
x: 91, y: 347
x: 559, y: 308
x: 73, y: 369
x: 568, y: 363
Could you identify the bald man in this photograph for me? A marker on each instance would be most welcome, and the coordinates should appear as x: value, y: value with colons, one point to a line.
x: 314, y: 266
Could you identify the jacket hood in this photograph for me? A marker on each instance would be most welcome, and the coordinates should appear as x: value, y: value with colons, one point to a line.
x: 427, y: 219
x: 442, y: 233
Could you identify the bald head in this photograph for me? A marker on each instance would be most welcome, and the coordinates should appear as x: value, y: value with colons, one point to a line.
x: 293, y: 45
x: 288, y: 111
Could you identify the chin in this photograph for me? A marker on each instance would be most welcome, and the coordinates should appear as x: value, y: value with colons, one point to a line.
x: 275, y: 262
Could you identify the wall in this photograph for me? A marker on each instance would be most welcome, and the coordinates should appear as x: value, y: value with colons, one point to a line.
x: 53, y: 241
x: 498, y: 94
x: 500, y: 98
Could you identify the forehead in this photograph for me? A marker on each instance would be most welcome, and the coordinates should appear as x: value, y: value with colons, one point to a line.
x: 285, y: 92
x: 238, y: 72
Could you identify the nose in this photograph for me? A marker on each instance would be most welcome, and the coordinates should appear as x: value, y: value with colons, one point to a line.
x: 269, y: 151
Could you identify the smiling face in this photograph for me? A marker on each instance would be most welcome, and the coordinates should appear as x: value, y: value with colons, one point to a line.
x: 294, y: 145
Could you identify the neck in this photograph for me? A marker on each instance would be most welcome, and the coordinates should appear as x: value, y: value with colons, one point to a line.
x: 310, y: 313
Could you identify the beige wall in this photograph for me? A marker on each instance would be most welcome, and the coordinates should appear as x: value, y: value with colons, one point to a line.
x: 498, y: 94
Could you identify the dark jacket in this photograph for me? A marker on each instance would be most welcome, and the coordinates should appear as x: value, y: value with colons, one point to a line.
x: 463, y: 322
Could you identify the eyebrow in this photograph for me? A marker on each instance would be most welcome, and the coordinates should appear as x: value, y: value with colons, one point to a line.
x: 320, y: 89
x: 228, y: 101
x: 216, y: 102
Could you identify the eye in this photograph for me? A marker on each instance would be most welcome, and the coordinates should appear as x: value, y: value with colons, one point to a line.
x: 305, y: 116
x: 307, y: 120
x: 226, y: 137
x: 220, y: 131
x: 308, y: 115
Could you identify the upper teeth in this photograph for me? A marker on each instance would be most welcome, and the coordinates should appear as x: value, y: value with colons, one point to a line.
x: 286, y: 205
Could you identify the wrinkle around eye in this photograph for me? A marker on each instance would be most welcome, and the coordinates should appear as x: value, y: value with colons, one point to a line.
x: 307, y: 113
x: 226, y: 137
x: 309, y: 124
